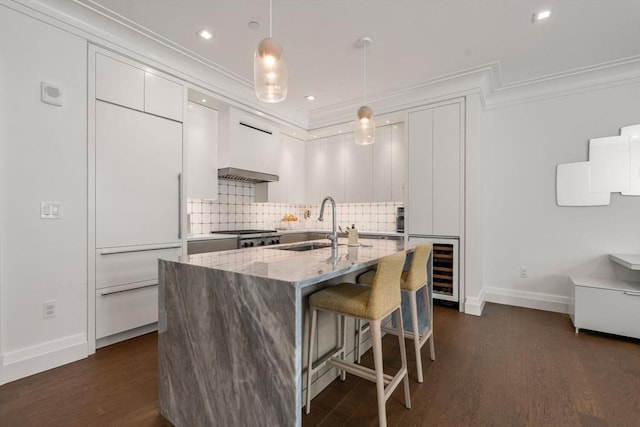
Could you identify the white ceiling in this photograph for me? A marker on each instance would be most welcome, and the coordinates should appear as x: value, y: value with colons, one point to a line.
x: 413, y: 41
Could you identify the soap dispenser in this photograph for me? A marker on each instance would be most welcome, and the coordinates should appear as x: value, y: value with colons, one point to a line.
x: 353, y: 236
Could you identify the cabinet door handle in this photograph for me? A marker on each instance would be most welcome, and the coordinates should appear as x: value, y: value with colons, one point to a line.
x: 632, y: 293
x: 126, y: 251
x: 180, y: 206
x: 128, y: 289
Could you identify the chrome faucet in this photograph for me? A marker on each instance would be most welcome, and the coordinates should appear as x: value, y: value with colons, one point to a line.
x: 333, y: 236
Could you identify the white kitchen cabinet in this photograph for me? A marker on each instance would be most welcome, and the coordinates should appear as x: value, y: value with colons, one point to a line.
x: 138, y: 162
x: 315, y: 170
x: 202, y: 152
x: 359, y: 170
x: 398, y: 163
x: 606, y: 305
x: 333, y: 183
x: 121, y: 308
x: 435, y: 167
x: 382, y: 166
x: 119, y: 83
x: 163, y: 97
x: 290, y: 188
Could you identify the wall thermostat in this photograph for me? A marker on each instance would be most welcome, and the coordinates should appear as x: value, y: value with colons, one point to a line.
x: 51, y: 94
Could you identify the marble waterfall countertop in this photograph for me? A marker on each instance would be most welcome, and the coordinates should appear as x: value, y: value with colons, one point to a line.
x: 299, y: 268
x: 231, y: 330
x: 218, y: 236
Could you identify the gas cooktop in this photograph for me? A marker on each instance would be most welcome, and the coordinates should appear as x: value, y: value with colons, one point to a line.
x: 244, y: 231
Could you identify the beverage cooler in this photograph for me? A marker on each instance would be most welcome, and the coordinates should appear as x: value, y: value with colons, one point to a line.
x: 445, y: 266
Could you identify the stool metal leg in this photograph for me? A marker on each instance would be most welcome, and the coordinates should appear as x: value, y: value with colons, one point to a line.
x: 429, y: 313
x: 413, y: 306
x: 312, y: 337
x: 403, y: 357
x: 343, y: 354
x: 358, y: 340
x: 376, y: 338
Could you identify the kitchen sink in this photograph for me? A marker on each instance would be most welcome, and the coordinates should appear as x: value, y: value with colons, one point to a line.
x: 301, y: 247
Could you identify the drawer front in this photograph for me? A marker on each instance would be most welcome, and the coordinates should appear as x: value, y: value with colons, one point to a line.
x: 606, y: 310
x: 118, y: 309
x: 114, y: 267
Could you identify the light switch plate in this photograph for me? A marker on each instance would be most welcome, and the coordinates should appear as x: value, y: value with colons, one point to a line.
x: 50, y: 210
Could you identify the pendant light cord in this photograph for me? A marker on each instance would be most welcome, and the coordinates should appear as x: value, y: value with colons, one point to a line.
x: 364, y: 79
x: 270, y: 18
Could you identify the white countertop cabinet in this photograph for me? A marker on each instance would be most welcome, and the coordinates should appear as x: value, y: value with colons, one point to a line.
x: 606, y: 305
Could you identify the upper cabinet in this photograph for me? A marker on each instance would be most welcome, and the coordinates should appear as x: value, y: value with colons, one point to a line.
x: 290, y: 188
x: 435, y: 164
x: 124, y: 84
x: 248, y: 143
x: 336, y: 166
x: 201, y: 124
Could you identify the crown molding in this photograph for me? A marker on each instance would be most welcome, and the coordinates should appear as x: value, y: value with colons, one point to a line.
x: 86, y: 20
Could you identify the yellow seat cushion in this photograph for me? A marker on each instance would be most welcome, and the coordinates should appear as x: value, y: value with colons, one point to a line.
x: 367, y: 278
x: 345, y: 298
x: 368, y: 302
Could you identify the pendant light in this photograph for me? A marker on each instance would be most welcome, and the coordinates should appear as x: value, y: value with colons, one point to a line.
x: 365, y: 127
x: 270, y: 69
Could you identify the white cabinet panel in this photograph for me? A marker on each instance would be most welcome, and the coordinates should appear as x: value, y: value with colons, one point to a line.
x: 297, y: 172
x: 162, y: 97
x: 398, y: 163
x: 382, y: 165
x: 358, y: 170
x: 119, y: 83
x: 633, y: 132
x: 315, y: 173
x: 202, y: 152
x: 611, y: 306
x: 119, y: 267
x: 119, y: 309
x: 434, y: 205
x: 334, y: 154
x: 419, y: 210
x: 138, y: 159
x: 446, y: 170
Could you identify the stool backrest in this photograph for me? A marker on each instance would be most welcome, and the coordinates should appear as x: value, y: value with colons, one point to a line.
x: 417, y: 274
x: 385, y: 291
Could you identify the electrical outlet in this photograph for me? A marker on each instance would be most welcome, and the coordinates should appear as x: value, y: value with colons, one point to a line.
x: 523, y: 273
x: 49, y: 309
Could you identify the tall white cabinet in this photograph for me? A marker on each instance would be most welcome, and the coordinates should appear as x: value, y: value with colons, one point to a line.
x: 201, y: 151
x: 292, y: 174
x: 136, y: 194
x: 435, y: 170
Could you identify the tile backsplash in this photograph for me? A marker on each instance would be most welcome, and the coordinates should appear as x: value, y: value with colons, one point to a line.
x: 236, y: 209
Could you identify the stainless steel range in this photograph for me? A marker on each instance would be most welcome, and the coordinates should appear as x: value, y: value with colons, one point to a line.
x: 253, y: 238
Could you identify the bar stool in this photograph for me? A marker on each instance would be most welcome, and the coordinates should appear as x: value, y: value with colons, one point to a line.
x: 411, y: 282
x: 372, y: 303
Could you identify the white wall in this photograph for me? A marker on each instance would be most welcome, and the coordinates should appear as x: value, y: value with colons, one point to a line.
x: 43, y: 159
x: 522, y: 225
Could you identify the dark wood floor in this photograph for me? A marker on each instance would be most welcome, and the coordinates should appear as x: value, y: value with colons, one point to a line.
x: 510, y: 367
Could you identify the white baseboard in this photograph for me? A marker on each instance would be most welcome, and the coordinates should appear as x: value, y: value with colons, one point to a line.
x: 475, y: 305
x: 1, y: 369
x: 536, y: 300
x: 42, y: 357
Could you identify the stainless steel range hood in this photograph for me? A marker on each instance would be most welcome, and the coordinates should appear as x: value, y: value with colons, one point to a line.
x: 244, y: 175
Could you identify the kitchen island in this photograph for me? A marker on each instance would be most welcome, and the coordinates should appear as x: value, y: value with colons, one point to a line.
x: 231, y: 332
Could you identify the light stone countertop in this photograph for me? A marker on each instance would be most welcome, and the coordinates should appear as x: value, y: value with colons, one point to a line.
x: 300, y: 269
x: 216, y: 236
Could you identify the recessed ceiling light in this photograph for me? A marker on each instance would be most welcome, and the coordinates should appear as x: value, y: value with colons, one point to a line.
x: 254, y: 25
x: 339, y: 130
x: 542, y: 15
x: 260, y: 113
x: 315, y: 136
x: 294, y: 134
x: 204, y: 100
x: 205, y: 34
x: 309, y: 97
x: 387, y: 122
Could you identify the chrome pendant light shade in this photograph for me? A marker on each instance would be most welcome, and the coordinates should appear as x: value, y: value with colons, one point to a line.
x: 270, y: 77
x: 365, y: 126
